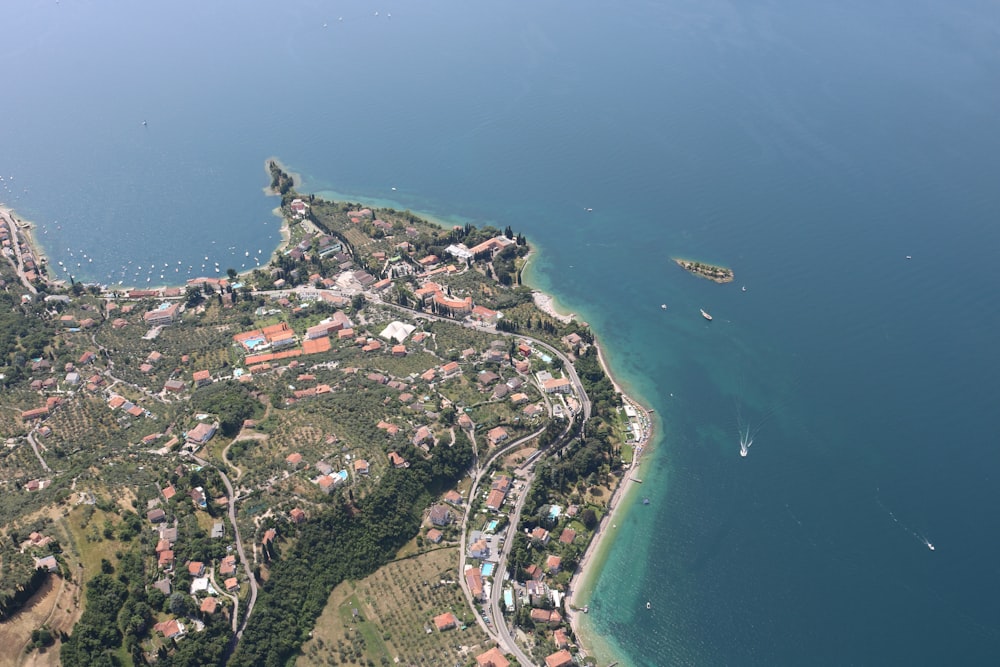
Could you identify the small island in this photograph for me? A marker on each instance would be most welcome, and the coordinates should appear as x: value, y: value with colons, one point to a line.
x: 719, y: 274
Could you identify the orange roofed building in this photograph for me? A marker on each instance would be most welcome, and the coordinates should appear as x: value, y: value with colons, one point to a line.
x: 492, y: 658
x: 445, y: 621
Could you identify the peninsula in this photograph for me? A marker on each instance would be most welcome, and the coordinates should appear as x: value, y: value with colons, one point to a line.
x: 718, y: 274
x: 380, y: 435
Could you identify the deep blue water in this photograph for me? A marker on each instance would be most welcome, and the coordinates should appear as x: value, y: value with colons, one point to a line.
x: 811, y: 146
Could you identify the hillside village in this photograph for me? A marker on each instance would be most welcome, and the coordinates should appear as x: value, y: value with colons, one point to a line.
x: 200, y: 456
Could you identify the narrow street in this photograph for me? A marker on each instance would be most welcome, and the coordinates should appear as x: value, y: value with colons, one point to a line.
x: 239, y: 548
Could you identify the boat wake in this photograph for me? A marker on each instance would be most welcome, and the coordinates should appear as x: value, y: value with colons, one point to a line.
x: 747, y: 430
x: 918, y: 536
x: 745, y: 442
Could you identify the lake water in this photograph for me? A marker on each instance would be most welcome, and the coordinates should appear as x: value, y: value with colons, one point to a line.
x: 810, y: 146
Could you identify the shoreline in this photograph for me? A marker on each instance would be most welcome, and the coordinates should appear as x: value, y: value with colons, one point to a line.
x: 22, y: 229
x: 544, y: 301
x: 582, y: 583
x: 592, y: 561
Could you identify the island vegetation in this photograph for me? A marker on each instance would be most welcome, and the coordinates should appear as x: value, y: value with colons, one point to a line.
x: 718, y: 274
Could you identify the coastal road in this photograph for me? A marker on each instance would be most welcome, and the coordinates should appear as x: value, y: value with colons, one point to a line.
x: 16, y: 238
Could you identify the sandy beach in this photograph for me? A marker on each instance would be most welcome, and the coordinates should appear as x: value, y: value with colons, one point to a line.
x: 583, y: 579
x: 546, y: 304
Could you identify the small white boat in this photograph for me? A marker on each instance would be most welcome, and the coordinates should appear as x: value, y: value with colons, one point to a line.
x: 663, y: 306
x: 706, y: 315
x: 744, y: 288
x: 648, y: 605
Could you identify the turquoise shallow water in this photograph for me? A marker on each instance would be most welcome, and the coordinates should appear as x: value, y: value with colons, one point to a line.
x: 810, y: 147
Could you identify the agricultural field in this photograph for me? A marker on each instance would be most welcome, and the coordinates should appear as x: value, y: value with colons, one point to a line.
x: 387, y: 618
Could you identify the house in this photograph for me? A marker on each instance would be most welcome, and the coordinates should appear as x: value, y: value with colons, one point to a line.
x: 486, y: 378
x: 440, y: 515
x: 422, y: 435
x: 450, y: 369
x: 391, y: 429
x: 209, y: 605
x: 491, y: 246
x: 561, y: 658
x: 445, y: 621
x: 399, y: 350
x: 297, y: 515
x: 227, y: 566
x: 485, y: 315
x: 497, y: 435
x: 453, y: 497
x: 492, y: 658
x: 560, y: 638
x: 479, y: 549
x: 539, y: 534
x: 534, y: 572
x: 198, y: 497
x: 36, y: 413
x: 232, y: 585
x: 201, y: 378
x: 169, y: 492
x: 175, y: 386
x: 557, y: 386
x: 519, y: 398
x: 464, y: 421
x: 572, y: 341
x: 434, y: 536
x: 568, y: 535
x: 196, y: 568
x: 502, y: 482
x: 166, y: 559
x: 397, y: 461
x: 163, y: 585
x: 495, y: 500
x: 201, y: 433
x: 361, y: 467
x: 327, y: 484
x: 294, y: 459
x: 48, y: 563
x: 552, y: 564
x: 218, y: 529
x: 162, y: 545
x: 541, y: 615
x: 533, y: 410
x: 474, y: 579
x: 269, y: 536
x: 170, y: 629
x: 156, y: 516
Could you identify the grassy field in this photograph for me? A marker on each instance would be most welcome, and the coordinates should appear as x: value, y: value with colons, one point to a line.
x: 395, y: 609
x: 55, y: 605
